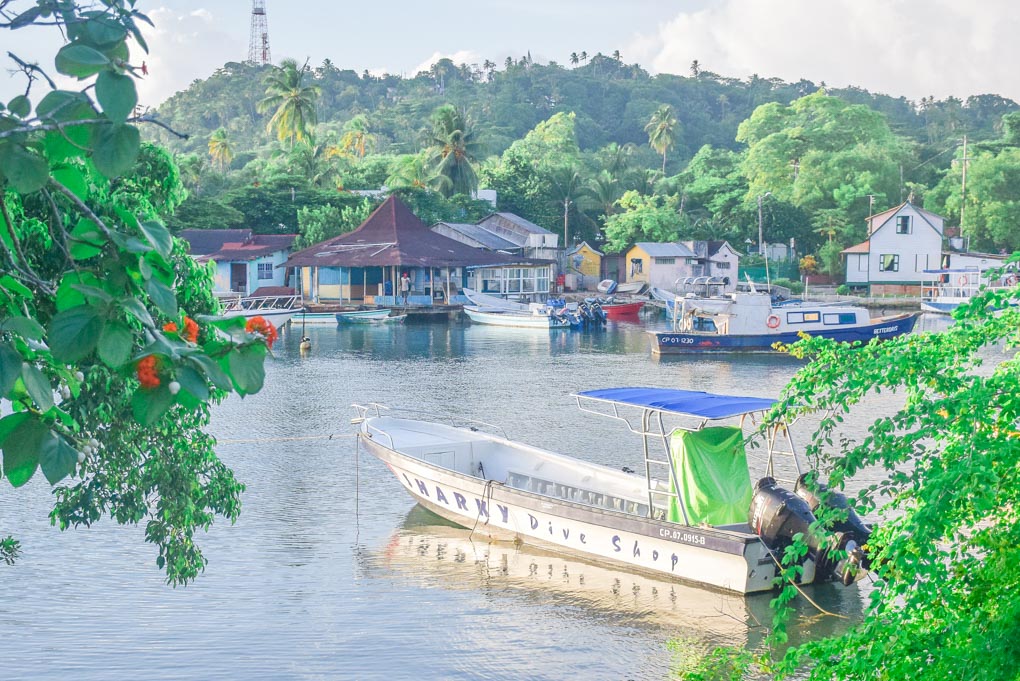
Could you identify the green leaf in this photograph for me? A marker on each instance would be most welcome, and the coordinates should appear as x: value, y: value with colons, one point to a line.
x: 20, y: 106
x: 105, y: 30
x: 57, y: 458
x: 193, y: 382
x: 158, y: 236
x: 246, y: 367
x: 25, y: 327
x: 63, y: 105
x: 74, y: 333
x: 213, y: 370
x: 80, y: 61
x: 93, y: 293
x: 10, y: 368
x: 115, y: 344
x: 67, y: 294
x: 116, y: 94
x: 26, y: 170
x: 12, y: 285
x: 136, y: 309
x: 162, y: 296
x: 37, y: 386
x: 115, y: 148
x: 9, y: 423
x: 22, y: 448
x: 72, y: 178
x: 86, y: 240
x: 148, y: 405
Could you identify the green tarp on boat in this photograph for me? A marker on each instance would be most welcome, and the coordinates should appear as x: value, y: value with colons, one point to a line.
x: 711, y: 468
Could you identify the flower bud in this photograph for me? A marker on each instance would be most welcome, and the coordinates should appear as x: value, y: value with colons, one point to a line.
x: 174, y: 387
x: 79, y: 375
x: 93, y: 443
x: 81, y: 457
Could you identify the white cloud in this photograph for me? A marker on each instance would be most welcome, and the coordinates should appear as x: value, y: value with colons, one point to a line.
x: 183, y: 47
x: 913, y: 48
x: 459, y: 57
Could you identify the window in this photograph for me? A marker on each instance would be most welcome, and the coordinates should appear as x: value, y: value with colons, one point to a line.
x: 889, y: 262
x: 840, y: 318
x: 265, y: 270
x: 636, y: 266
x: 903, y: 224
x: 722, y: 265
x: 802, y: 317
x: 665, y: 261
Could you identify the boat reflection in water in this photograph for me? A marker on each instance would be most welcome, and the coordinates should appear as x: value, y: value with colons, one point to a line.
x: 433, y: 553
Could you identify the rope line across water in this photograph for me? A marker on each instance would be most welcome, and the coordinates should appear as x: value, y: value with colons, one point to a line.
x: 284, y: 439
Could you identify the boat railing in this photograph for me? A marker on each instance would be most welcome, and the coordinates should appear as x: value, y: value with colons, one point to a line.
x: 239, y: 302
x: 364, y: 411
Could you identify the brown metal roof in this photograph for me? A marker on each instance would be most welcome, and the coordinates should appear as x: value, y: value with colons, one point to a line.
x: 393, y: 236
x: 226, y: 245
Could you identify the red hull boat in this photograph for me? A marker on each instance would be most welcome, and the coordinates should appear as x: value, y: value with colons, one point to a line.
x: 621, y: 310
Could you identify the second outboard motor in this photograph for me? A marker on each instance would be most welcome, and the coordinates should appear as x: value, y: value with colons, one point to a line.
x: 852, y: 522
x: 777, y: 514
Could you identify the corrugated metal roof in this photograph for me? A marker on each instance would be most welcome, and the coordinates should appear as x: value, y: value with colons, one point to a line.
x: 518, y: 221
x: 208, y: 241
x: 393, y: 236
x: 225, y: 245
x: 667, y: 250
x: 481, y: 236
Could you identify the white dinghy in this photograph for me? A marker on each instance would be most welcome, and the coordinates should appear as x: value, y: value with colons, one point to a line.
x: 692, y: 514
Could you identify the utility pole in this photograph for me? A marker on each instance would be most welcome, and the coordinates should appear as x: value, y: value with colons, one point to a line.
x: 871, y: 205
x: 963, y: 187
x: 761, y: 240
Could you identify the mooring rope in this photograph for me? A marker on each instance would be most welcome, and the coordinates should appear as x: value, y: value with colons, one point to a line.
x: 284, y: 439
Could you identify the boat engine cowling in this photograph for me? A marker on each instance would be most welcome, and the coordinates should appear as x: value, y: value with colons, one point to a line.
x: 777, y: 514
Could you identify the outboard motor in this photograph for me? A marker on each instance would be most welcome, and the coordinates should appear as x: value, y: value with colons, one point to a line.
x: 777, y: 514
x: 852, y: 525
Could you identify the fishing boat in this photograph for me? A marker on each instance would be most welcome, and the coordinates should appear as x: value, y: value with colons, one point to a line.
x: 751, y: 321
x: 538, y: 317
x: 626, y: 310
x: 946, y: 289
x: 692, y: 514
x: 382, y: 315
x: 276, y: 309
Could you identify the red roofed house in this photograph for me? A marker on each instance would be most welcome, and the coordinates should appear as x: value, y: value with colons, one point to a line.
x: 244, y: 261
x: 365, y: 265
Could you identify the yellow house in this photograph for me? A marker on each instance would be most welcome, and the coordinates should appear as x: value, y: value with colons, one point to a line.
x: 586, y: 261
x: 659, y: 264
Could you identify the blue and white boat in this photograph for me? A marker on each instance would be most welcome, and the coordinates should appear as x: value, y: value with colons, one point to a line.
x: 752, y: 322
x: 947, y: 289
x: 692, y: 513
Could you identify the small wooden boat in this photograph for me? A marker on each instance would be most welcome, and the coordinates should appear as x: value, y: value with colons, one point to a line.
x: 540, y: 317
x: 692, y: 514
x: 631, y: 288
x: 622, y: 310
x: 752, y: 322
x: 366, y: 316
x: 484, y: 300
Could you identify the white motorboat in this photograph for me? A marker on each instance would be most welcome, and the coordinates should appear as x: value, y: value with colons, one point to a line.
x: 538, y: 317
x: 948, y: 289
x: 486, y: 301
x: 691, y: 515
x: 381, y: 315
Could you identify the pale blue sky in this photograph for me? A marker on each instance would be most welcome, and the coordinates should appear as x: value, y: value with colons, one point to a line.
x: 900, y: 47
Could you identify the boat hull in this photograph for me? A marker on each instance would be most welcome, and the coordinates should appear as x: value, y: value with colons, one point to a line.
x: 277, y: 317
x: 363, y: 316
x: 516, y: 320
x: 676, y: 342
x: 622, y: 310
x: 733, y: 561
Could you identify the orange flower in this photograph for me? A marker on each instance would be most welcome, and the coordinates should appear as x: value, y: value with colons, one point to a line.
x: 265, y: 329
x: 147, y: 372
x: 190, y: 330
x: 170, y: 327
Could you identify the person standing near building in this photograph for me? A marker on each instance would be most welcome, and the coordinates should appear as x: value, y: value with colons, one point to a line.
x: 405, y: 286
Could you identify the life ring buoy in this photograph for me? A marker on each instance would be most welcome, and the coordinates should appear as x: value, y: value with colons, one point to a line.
x: 772, y: 321
x: 963, y: 280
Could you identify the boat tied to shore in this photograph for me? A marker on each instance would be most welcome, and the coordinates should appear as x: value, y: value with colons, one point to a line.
x: 692, y: 514
x: 276, y: 309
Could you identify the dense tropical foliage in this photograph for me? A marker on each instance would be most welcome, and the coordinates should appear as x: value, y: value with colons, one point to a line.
x: 561, y: 146
x: 110, y: 353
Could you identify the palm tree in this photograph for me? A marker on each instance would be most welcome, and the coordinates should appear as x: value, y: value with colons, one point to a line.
x: 411, y: 171
x: 662, y: 131
x: 695, y: 69
x: 452, y: 149
x: 356, y: 138
x: 508, y: 63
x: 584, y: 57
x: 220, y: 150
x: 292, y: 102
x: 574, y: 58
x: 616, y: 55
x: 567, y: 190
x: 604, y: 190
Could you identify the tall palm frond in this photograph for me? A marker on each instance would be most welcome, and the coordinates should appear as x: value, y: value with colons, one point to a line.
x: 292, y: 102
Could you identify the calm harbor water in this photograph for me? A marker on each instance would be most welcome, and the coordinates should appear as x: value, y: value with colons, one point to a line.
x: 332, y: 572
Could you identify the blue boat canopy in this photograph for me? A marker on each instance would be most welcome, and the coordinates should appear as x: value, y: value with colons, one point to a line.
x: 686, y: 402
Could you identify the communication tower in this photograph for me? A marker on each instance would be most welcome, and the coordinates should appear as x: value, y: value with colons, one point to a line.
x: 258, y: 44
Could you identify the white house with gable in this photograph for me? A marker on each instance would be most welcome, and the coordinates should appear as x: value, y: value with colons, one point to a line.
x: 902, y: 243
